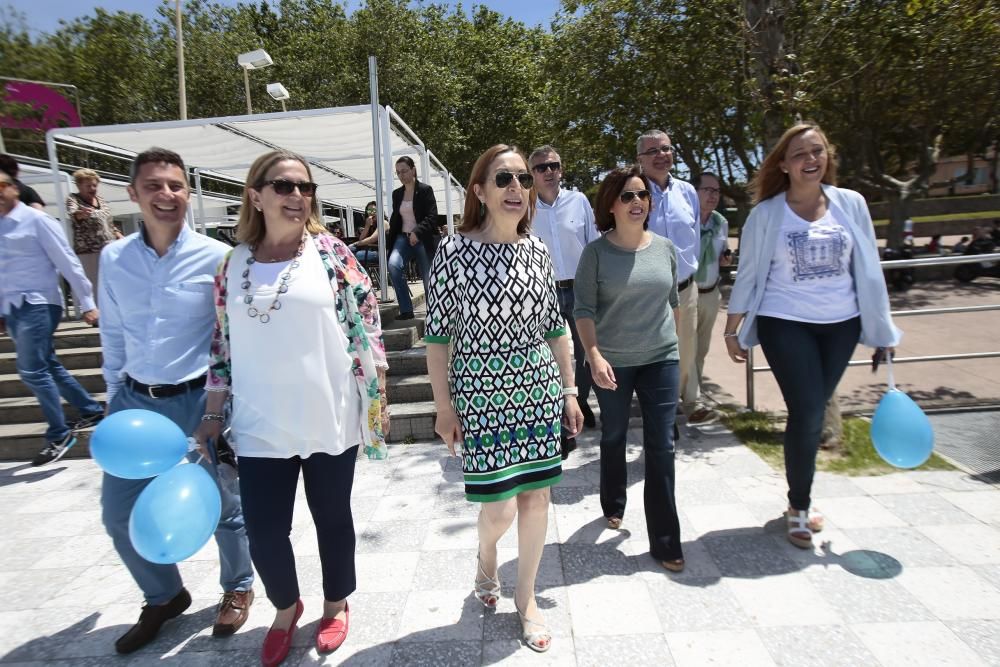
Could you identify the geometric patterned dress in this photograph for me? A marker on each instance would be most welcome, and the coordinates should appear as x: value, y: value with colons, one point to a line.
x: 496, y: 304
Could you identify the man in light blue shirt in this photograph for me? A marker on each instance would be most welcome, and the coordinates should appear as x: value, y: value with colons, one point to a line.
x: 33, y: 253
x: 675, y: 213
x: 158, y: 317
x: 564, y: 221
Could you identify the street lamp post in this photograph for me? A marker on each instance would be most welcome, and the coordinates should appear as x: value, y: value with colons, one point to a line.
x: 278, y: 92
x: 252, y: 60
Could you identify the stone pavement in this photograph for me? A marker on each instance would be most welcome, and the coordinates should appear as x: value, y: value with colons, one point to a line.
x: 908, y: 573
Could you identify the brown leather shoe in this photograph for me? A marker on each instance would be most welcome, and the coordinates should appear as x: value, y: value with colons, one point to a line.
x: 234, y: 608
x: 150, y: 621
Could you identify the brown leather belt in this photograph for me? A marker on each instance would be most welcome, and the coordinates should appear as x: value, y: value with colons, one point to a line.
x: 706, y: 290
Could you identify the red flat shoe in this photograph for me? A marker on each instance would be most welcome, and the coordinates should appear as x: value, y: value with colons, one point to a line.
x: 277, y: 643
x: 332, y: 632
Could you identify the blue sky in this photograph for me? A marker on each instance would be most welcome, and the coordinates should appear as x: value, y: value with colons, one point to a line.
x: 44, y: 15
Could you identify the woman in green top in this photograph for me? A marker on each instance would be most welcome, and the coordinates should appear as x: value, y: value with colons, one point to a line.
x: 626, y: 313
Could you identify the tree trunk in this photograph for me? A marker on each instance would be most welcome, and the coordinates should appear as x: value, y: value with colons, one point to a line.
x: 832, y: 436
x: 766, y: 23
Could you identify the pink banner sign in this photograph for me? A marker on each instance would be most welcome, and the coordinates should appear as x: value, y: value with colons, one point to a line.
x: 34, y: 106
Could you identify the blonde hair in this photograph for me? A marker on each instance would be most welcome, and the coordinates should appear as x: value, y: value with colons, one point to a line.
x: 250, y: 229
x: 771, y: 180
x: 81, y: 175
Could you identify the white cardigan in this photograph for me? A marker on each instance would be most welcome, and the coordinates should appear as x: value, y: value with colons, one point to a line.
x: 759, y: 241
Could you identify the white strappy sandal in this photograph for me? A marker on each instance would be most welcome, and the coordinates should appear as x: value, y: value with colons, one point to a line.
x: 798, y: 531
x: 487, y: 588
x: 539, y: 641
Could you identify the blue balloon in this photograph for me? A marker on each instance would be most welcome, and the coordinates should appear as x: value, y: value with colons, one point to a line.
x: 137, y: 444
x: 901, y: 432
x: 175, y: 514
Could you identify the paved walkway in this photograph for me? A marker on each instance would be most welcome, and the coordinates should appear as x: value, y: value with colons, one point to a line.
x: 909, y: 573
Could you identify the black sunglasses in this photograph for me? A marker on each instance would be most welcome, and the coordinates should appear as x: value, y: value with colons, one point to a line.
x: 283, y: 187
x: 629, y: 195
x: 503, y: 179
x: 546, y: 166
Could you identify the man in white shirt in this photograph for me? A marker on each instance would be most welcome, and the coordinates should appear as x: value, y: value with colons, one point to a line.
x: 675, y: 213
x: 564, y: 221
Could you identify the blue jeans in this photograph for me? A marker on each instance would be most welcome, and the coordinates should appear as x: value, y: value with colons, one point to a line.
x: 656, y: 385
x: 31, y: 327
x: 268, y: 491
x: 160, y: 583
x: 366, y: 255
x: 808, y: 361
x: 403, y: 252
x: 584, y: 381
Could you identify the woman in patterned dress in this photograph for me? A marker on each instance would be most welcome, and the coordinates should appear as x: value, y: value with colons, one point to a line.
x: 509, y: 389
x: 93, y: 222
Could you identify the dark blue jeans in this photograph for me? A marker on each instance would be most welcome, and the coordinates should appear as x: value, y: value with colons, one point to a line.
x: 267, y: 487
x: 808, y: 361
x: 31, y: 327
x: 656, y: 385
x: 402, y: 252
x: 583, y: 379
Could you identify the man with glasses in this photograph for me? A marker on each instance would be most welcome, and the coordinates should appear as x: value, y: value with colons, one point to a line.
x: 675, y: 213
x: 564, y: 221
x: 33, y: 253
x: 159, y: 314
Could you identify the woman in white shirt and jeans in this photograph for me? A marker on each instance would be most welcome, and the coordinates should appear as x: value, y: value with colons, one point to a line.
x: 809, y: 289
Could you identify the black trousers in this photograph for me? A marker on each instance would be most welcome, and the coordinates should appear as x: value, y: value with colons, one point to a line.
x: 267, y: 488
x: 808, y: 361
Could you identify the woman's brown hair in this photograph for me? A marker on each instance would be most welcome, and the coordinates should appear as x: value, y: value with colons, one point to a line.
x: 612, y: 186
x: 771, y: 180
x: 471, y: 219
x: 250, y: 229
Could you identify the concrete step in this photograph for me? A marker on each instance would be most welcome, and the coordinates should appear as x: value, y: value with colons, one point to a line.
x: 412, y: 361
x: 90, y: 378
x: 67, y: 335
x: 400, y: 336
x: 20, y: 442
x: 25, y: 409
x: 409, y: 388
x: 412, y: 421
x: 72, y: 358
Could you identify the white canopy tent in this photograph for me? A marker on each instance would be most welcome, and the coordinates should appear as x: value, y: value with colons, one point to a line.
x: 342, y: 146
x: 113, y: 191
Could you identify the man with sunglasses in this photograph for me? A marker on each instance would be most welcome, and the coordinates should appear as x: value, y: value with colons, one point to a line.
x: 675, y: 213
x: 564, y: 221
x: 33, y: 253
x: 158, y: 314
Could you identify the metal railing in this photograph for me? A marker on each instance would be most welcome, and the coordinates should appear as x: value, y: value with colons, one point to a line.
x: 906, y: 264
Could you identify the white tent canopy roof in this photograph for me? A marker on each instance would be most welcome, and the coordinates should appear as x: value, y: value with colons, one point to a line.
x: 113, y: 191
x: 337, y: 142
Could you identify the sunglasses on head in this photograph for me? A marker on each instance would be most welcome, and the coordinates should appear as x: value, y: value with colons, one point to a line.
x: 283, y: 187
x: 629, y: 195
x: 503, y: 179
x: 546, y: 166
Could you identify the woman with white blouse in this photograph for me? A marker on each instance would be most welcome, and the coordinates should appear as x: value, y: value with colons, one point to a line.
x: 298, y: 345
x: 809, y: 289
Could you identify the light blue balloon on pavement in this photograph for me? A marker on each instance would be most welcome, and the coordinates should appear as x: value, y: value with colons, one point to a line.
x: 901, y: 432
x: 175, y: 514
x: 137, y: 444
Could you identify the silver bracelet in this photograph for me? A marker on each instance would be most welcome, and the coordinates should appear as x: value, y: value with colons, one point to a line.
x: 726, y: 334
x: 571, y: 391
x: 213, y: 417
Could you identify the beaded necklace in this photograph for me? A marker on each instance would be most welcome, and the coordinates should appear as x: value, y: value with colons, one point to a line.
x: 265, y: 316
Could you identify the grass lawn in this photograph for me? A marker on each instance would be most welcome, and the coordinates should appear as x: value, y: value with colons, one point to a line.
x: 976, y: 215
x: 763, y: 432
